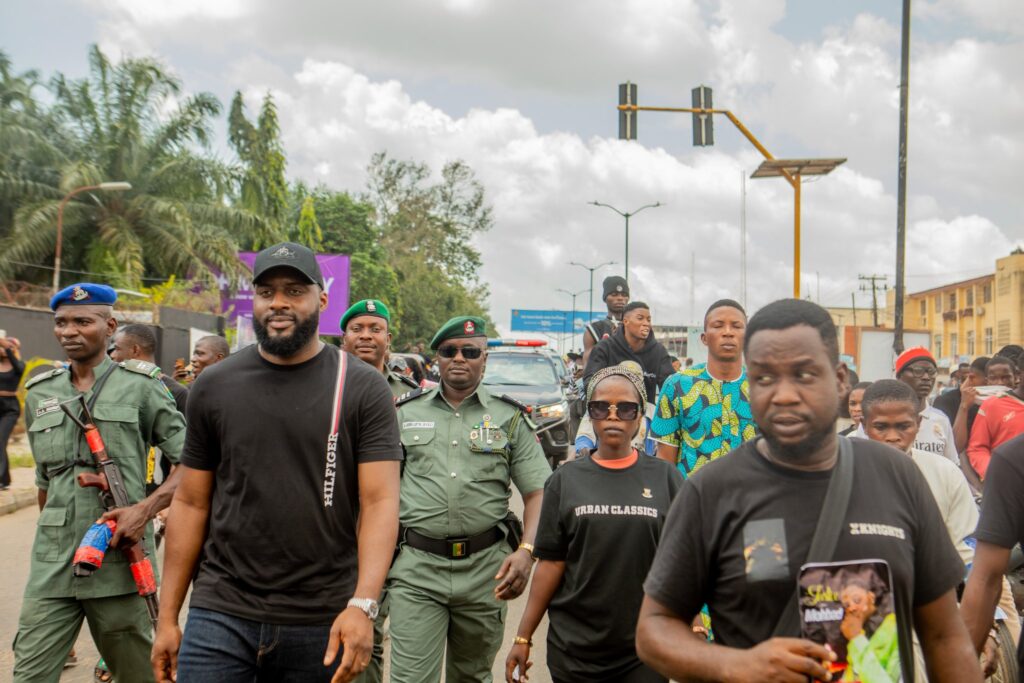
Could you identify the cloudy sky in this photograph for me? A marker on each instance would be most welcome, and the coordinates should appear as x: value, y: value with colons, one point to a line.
x: 525, y: 92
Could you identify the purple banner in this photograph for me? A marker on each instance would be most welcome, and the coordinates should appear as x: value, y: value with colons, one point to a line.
x: 335, y: 269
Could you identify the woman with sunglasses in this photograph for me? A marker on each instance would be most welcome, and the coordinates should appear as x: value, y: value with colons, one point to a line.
x: 599, y: 527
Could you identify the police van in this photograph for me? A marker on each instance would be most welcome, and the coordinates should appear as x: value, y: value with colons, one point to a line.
x: 533, y: 374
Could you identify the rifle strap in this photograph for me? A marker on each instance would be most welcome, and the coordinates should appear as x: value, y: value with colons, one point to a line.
x: 826, y: 534
x: 98, y: 386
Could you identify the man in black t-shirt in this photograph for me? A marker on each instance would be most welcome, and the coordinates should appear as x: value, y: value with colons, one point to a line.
x: 1001, y: 528
x: 291, y: 477
x: 740, y: 529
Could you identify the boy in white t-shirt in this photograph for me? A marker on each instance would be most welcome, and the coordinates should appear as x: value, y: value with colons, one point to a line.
x: 891, y: 417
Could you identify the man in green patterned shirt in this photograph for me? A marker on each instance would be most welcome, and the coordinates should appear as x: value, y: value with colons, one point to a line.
x: 703, y: 412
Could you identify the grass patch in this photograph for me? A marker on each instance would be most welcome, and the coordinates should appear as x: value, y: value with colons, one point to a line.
x: 21, y: 460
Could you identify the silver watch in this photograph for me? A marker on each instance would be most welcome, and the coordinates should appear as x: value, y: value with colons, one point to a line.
x: 367, y: 605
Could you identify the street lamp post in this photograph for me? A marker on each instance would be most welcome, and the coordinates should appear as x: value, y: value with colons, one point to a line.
x: 592, y: 269
x: 627, y: 216
x: 118, y: 186
x: 572, y: 324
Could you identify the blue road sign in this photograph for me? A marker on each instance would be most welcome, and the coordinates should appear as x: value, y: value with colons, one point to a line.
x: 550, y: 322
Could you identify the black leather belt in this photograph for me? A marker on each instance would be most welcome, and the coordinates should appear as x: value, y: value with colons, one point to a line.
x: 453, y: 548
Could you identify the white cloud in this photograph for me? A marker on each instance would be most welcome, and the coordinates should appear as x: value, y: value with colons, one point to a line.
x: 335, y: 118
x: 540, y: 62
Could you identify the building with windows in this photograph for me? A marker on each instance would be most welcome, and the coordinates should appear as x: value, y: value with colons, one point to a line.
x: 974, y: 317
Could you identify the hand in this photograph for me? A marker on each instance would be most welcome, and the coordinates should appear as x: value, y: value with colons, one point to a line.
x: 352, y: 631
x: 852, y: 625
x: 783, y: 660
x: 968, y: 395
x: 990, y: 656
x: 164, y: 656
x: 131, y: 525
x: 514, y: 573
x: 518, y: 656
x: 181, y: 375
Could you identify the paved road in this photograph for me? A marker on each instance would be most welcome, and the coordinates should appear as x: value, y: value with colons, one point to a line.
x: 17, y: 531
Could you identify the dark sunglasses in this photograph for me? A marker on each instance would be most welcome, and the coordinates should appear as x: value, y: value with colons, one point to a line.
x: 625, y: 410
x: 468, y: 352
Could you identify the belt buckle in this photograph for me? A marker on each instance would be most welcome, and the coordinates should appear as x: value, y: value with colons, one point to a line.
x: 458, y: 548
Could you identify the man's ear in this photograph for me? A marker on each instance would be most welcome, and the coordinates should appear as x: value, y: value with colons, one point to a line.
x: 842, y: 376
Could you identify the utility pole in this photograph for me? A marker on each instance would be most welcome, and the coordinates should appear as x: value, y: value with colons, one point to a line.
x: 874, y: 280
x: 693, y: 287
x: 627, y: 215
x: 901, y: 188
x: 853, y: 302
x: 572, y: 319
x: 743, y: 238
x: 592, y: 269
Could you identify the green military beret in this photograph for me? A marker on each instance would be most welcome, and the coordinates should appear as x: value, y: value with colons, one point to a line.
x: 366, y: 307
x: 459, y: 327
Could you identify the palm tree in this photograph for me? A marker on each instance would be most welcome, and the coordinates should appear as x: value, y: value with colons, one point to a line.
x: 126, y: 121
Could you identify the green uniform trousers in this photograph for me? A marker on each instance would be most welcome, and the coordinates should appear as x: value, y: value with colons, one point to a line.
x: 435, y: 600
x: 48, y: 628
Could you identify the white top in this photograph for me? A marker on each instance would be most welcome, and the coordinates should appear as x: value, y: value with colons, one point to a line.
x: 956, y: 503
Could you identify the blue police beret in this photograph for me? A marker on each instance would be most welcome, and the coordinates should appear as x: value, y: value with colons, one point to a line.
x: 84, y: 293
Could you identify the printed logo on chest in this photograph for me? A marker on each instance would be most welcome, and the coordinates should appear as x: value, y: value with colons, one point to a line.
x: 873, y: 529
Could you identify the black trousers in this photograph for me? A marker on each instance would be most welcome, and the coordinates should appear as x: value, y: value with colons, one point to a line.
x: 9, y: 411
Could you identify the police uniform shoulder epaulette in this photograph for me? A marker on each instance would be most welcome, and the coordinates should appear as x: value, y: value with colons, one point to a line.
x: 44, y: 376
x: 408, y: 396
x: 408, y: 380
x: 142, y: 367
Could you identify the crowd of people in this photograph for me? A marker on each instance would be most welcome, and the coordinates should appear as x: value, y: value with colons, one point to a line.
x: 714, y: 522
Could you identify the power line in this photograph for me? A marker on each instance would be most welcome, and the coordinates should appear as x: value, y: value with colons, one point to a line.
x: 874, y: 280
x: 86, y: 272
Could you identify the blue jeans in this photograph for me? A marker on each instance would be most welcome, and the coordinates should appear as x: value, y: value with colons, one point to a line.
x: 220, y: 648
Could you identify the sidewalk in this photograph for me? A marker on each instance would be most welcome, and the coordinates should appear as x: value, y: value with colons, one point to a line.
x: 22, y: 492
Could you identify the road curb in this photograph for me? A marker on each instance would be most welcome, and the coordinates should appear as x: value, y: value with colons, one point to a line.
x: 13, y: 500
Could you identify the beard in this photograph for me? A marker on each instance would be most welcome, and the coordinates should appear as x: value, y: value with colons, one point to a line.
x: 288, y: 345
x: 798, y: 453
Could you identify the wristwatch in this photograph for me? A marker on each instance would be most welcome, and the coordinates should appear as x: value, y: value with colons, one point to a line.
x: 367, y: 605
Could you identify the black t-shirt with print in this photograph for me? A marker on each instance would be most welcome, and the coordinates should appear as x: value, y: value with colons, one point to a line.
x: 604, y: 524
x: 1002, y: 506
x: 740, y: 529
x: 282, y: 539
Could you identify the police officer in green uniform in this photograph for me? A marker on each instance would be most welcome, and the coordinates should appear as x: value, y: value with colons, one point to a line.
x: 133, y: 411
x: 463, y: 446
x: 366, y: 326
x: 367, y: 329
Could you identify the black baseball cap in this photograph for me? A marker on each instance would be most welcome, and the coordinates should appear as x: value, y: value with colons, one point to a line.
x: 288, y: 255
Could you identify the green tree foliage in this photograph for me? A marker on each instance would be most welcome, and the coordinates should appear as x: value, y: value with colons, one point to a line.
x: 410, y: 237
x: 124, y: 122
x: 263, y: 188
x: 308, y: 229
x: 426, y: 230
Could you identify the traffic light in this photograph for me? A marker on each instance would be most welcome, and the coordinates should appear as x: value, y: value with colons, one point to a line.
x: 627, y: 119
x: 703, y: 124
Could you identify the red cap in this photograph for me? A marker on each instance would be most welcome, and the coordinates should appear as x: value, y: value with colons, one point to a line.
x: 910, y: 355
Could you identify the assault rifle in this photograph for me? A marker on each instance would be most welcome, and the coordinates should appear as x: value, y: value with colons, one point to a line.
x: 113, y: 494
